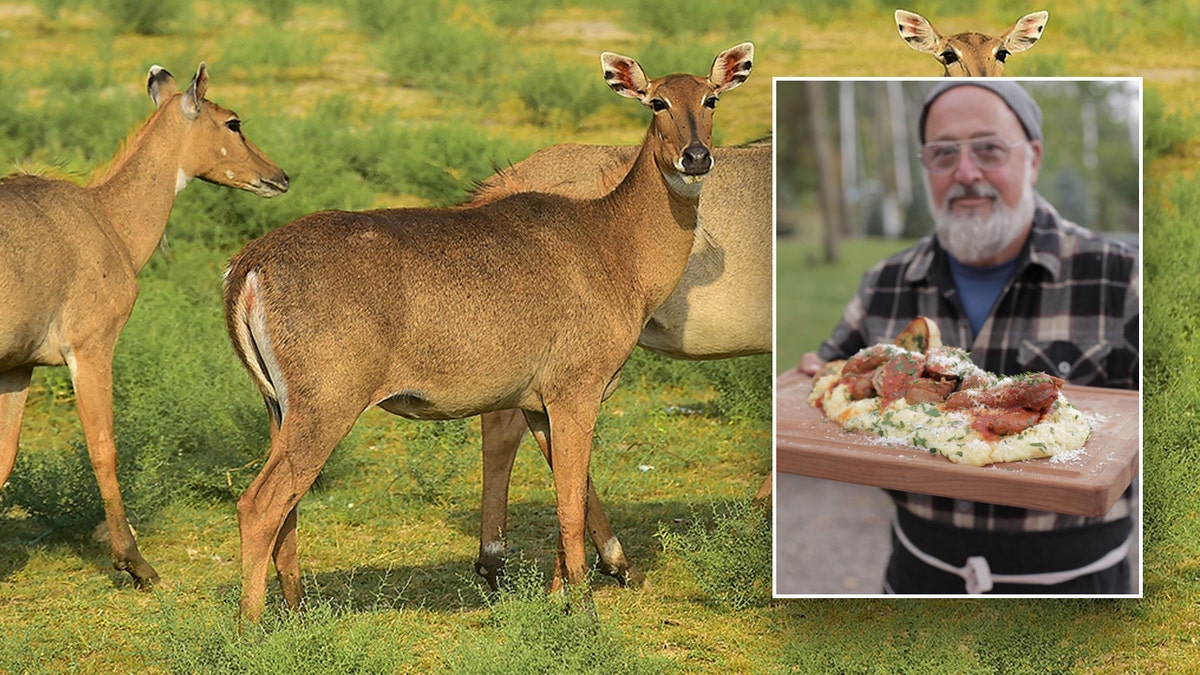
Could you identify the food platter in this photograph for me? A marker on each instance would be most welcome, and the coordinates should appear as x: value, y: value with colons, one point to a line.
x: 1085, y: 482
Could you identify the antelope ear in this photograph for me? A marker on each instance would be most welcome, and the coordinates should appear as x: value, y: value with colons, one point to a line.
x: 160, y: 85
x: 1025, y: 32
x: 193, y: 98
x: 731, y: 67
x: 625, y: 76
x: 918, y: 32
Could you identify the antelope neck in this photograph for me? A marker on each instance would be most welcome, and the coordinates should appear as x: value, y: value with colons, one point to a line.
x: 138, y: 192
x: 661, y: 221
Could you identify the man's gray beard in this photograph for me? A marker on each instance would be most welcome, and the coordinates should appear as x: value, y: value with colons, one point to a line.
x: 973, y: 238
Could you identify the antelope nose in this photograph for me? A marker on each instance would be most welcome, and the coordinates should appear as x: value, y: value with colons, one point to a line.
x: 696, y: 159
x: 281, y: 182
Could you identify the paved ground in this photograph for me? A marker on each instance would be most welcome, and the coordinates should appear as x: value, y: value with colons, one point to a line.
x: 832, y: 537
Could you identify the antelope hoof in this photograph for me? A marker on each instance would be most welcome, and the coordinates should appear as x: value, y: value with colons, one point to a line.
x: 491, y: 572
x: 144, y: 576
x: 633, y: 578
x: 490, y: 564
x: 626, y: 574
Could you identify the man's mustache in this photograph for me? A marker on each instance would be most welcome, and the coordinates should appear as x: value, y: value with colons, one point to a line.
x: 959, y: 190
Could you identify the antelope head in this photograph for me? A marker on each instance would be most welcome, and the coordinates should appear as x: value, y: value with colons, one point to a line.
x: 214, y: 149
x: 681, y: 131
x: 971, y: 54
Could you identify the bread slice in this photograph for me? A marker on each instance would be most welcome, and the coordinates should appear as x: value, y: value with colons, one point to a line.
x: 920, y: 335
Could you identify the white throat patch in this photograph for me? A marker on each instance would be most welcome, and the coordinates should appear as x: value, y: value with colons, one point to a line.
x: 684, y: 185
x: 181, y: 181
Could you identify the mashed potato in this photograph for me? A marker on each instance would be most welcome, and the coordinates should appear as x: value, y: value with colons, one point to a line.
x: 949, y: 433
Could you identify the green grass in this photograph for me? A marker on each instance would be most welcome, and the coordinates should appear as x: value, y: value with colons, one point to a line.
x: 810, y: 295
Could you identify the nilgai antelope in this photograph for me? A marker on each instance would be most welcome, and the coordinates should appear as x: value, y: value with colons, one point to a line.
x: 720, y: 308
x: 971, y: 54
x: 532, y: 302
x: 68, y: 276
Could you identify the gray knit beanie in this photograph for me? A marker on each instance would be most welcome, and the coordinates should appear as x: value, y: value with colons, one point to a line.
x: 1014, y: 95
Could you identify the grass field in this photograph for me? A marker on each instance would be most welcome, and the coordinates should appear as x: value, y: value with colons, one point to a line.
x: 810, y: 295
x: 364, y: 111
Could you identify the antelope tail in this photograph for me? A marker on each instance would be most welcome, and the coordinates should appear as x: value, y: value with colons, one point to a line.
x: 247, y: 325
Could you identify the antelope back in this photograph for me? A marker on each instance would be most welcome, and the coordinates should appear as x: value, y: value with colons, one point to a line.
x: 571, y: 170
x: 214, y: 147
x: 971, y: 54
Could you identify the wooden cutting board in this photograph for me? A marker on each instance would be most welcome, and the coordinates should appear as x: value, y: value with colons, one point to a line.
x: 1087, y: 483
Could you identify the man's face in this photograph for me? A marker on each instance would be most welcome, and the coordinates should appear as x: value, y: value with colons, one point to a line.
x: 982, y: 214
x: 967, y: 112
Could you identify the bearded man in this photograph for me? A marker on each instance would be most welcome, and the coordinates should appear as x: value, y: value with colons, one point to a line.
x: 1008, y: 279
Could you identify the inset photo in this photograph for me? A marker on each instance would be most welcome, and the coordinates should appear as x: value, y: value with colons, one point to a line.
x: 958, y: 308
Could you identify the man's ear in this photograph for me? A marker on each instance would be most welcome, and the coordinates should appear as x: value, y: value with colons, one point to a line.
x: 1035, y: 165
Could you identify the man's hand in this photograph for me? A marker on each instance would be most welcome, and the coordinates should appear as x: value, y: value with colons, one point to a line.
x: 810, y: 363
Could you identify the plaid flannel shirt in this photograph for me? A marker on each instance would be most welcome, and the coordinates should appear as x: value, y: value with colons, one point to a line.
x: 1072, y: 309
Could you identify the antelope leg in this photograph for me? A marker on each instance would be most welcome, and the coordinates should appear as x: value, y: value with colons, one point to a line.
x: 14, y: 389
x: 267, y: 510
x: 502, y: 432
x: 92, y: 374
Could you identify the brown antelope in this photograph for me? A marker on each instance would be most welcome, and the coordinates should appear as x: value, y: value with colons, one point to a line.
x: 68, y: 279
x: 720, y: 308
x: 971, y: 54
x: 532, y: 302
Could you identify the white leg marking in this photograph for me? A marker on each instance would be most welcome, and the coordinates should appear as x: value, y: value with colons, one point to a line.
x: 612, y: 551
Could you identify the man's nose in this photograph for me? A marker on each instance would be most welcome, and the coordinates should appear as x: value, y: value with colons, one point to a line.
x: 966, y: 171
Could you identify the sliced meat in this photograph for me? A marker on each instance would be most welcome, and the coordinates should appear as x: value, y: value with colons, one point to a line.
x: 929, y: 390
x: 860, y: 386
x: 1033, y: 391
x: 1005, y: 423
x: 869, y: 359
x: 976, y: 381
x: 893, y: 379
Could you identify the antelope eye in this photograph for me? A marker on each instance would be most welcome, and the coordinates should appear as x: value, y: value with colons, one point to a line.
x: 658, y: 105
x: 234, y: 125
x: 949, y: 57
x: 711, y: 102
x: 1002, y: 55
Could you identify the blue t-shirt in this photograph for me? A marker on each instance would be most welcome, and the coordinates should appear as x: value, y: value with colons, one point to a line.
x: 980, y: 287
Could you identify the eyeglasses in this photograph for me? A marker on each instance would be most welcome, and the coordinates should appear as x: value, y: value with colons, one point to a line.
x: 988, y: 153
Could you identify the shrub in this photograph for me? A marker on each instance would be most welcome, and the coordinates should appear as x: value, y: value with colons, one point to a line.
x: 322, y: 639
x: 145, y: 18
x: 377, y: 18
x: 532, y: 631
x: 1164, y: 132
x: 559, y: 93
x: 743, y: 387
x: 278, y: 11
x: 269, y: 47
x: 456, y: 447
x: 1038, y: 64
x: 669, y: 19
x: 448, y: 54
x: 728, y: 554
x: 517, y: 13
